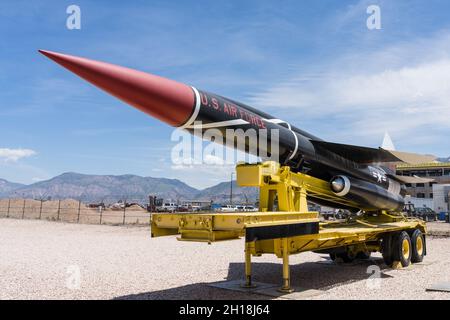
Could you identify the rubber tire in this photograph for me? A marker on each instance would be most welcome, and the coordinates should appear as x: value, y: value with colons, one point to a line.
x: 386, y: 250
x: 415, y: 256
x: 397, y: 254
x: 363, y: 255
x: 333, y: 256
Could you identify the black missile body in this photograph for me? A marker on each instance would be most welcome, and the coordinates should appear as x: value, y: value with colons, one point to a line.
x: 303, y: 152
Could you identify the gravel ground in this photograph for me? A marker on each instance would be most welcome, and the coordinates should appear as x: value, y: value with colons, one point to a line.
x: 41, y: 260
x: 439, y: 228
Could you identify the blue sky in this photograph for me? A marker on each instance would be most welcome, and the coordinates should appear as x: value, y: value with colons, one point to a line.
x: 314, y: 63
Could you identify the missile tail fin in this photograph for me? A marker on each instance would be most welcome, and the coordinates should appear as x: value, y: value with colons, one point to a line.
x: 365, y: 155
x: 362, y: 155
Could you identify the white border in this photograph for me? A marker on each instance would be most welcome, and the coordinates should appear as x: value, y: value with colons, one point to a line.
x: 196, y: 110
x: 278, y: 121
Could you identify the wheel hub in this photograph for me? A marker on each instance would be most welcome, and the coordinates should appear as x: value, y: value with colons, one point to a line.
x: 419, y: 245
x: 405, y: 248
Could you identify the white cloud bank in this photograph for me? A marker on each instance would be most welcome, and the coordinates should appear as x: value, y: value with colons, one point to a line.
x: 15, y: 154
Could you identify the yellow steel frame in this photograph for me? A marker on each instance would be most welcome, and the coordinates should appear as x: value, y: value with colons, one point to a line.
x: 290, y: 190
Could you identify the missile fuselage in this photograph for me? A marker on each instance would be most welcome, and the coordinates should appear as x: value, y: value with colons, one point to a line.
x: 368, y: 185
x: 195, y: 110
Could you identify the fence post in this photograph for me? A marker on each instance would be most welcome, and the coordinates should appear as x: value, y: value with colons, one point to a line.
x: 101, y: 213
x: 79, y: 209
x: 9, y: 206
x: 40, y: 210
x: 124, y: 209
x: 23, y: 209
x: 59, y: 209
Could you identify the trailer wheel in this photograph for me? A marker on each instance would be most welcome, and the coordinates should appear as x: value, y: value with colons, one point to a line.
x: 418, y: 246
x: 363, y: 255
x: 346, y: 257
x: 333, y: 256
x: 386, y: 249
x: 402, y: 250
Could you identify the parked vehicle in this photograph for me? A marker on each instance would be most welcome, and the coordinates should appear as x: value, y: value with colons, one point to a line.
x: 167, y: 207
x: 246, y: 208
x: 426, y: 214
x: 184, y: 208
x: 227, y: 208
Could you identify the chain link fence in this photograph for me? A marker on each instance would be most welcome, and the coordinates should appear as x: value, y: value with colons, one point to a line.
x: 75, y: 211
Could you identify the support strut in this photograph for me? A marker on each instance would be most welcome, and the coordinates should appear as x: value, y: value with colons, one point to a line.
x: 286, y: 288
x: 248, y: 267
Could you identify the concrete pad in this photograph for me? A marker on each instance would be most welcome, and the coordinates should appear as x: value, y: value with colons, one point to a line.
x: 236, y: 285
x: 298, y: 293
x: 441, y: 287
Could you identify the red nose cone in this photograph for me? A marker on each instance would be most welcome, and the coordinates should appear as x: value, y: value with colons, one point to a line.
x: 164, y: 99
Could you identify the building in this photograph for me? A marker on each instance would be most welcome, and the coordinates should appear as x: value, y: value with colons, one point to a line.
x: 441, y: 194
x: 438, y: 190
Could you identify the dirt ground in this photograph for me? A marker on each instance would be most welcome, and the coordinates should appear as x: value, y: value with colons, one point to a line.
x: 57, y: 260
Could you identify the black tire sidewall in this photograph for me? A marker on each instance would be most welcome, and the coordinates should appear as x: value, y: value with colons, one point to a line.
x: 386, y: 250
x: 415, y: 256
x: 397, y: 253
x: 363, y: 255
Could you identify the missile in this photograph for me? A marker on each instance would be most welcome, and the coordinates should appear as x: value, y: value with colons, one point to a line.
x: 183, y: 106
x: 355, y: 173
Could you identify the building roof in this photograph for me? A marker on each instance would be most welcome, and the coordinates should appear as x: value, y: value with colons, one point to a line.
x: 423, y: 166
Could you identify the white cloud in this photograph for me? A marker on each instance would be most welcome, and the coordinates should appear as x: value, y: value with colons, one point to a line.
x: 15, y: 154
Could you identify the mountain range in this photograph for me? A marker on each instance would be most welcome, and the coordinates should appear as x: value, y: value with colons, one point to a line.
x: 131, y: 188
x: 6, y: 187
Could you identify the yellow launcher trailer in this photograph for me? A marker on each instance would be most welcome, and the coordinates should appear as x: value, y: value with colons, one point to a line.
x: 293, y: 229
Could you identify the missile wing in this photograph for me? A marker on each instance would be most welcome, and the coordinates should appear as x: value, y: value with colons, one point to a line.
x: 367, y: 155
x: 362, y: 155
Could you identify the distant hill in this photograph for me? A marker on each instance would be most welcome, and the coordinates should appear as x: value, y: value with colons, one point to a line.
x: 443, y: 159
x: 220, y: 193
x: 6, y: 187
x: 111, y: 188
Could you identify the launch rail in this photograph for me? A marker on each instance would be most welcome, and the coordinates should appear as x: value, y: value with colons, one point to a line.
x: 284, y: 226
